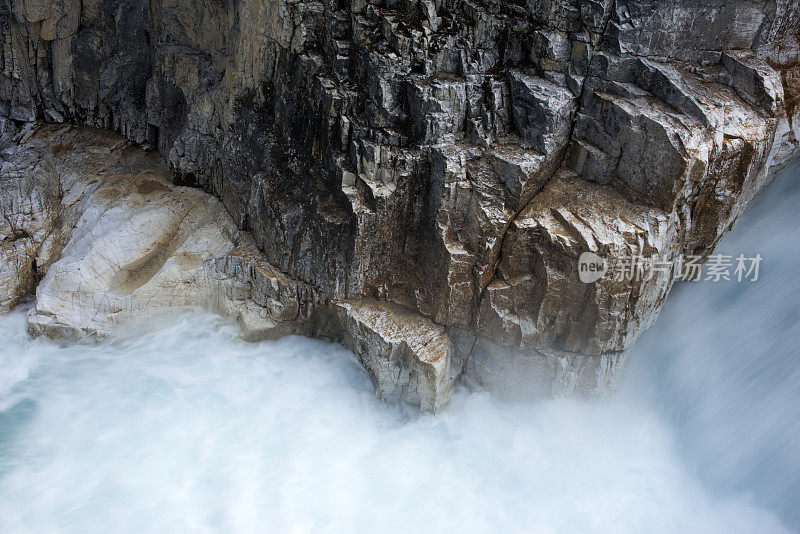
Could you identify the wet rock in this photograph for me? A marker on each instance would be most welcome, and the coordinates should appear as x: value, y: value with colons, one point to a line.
x: 113, y: 240
x: 533, y: 375
x: 134, y: 243
x: 448, y: 159
x: 408, y: 356
x: 537, y: 303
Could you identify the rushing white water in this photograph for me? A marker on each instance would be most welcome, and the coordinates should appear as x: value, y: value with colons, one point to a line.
x: 181, y: 427
x: 723, y: 361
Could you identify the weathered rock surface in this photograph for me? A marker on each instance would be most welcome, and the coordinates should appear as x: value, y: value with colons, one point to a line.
x: 446, y: 159
x: 110, y: 236
x: 409, y: 356
x: 113, y: 239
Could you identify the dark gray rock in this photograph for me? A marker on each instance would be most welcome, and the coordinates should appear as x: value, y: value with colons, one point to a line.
x: 404, y: 151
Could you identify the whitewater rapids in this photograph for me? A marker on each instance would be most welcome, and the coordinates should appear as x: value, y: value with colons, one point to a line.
x: 179, y: 426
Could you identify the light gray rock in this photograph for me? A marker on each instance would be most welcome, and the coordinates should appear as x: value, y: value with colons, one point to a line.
x: 536, y: 301
x: 408, y: 356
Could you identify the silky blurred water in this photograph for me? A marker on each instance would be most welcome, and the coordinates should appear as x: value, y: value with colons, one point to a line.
x: 179, y: 426
x: 722, y: 364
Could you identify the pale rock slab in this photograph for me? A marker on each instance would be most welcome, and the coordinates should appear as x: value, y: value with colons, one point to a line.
x: 408, y: 356
x: 537, y: 301
x: 138, y: 245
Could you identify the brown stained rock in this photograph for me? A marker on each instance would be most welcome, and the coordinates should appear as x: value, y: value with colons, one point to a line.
x: 536, y: 301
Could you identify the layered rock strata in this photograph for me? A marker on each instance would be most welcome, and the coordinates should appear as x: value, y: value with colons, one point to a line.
x: 415, y: 178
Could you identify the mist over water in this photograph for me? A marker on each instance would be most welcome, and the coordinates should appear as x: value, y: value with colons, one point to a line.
x: 179, y: 426
x: 722, y: 363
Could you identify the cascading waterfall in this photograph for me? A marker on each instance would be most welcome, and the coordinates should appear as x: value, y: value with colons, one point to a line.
x: 177, y: 425
x: 723, y: 362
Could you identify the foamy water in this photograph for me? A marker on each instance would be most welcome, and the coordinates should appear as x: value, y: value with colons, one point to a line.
x: 722, y: 364
x: 181, y: 427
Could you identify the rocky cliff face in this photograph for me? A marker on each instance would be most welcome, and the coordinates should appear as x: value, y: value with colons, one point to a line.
x: 420, y: 175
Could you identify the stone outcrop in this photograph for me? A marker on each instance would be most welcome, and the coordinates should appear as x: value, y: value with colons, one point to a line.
x: 416, y: 178
x: 408, y: 355
x: 109, y: 238
x: 113, y: 238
